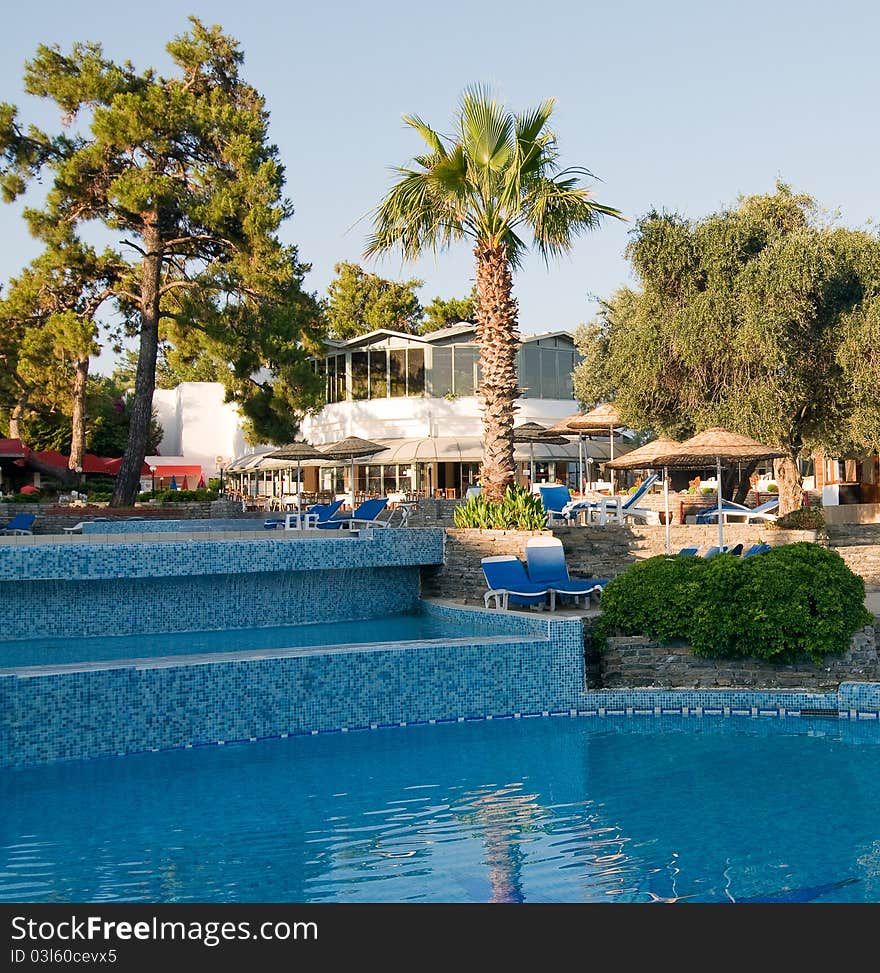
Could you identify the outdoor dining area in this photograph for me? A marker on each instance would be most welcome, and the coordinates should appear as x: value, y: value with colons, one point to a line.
x: 606, y: 480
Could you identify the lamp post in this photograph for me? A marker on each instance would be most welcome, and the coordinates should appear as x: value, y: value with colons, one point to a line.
x: 153, y: 480
x: 222, y: 462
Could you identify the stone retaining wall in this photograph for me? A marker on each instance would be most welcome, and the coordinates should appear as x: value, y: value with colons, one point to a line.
x: 859, y: 546
x: 629, y: 663
x: 602, y: 552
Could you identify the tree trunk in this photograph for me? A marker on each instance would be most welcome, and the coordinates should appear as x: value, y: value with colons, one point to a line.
x: 128, y: 480
x: 791, y: 493
x: 736, y: 483
x: 14, y: 421
x: 498, y: 337
x: 78, y: 419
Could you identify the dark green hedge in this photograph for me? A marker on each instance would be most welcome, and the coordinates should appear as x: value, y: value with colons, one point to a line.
x: 792, y: 601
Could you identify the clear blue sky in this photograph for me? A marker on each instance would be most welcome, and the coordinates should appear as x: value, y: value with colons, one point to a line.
x: 678, y: 105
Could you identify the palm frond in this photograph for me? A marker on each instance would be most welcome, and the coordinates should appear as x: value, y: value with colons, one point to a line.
x: 487, y: 130
x: 428, y: 134
x: 558, y: 210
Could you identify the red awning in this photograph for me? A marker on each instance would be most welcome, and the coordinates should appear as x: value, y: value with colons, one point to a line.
x: 91, y: 463
x: 180, y: 471
x: 13, y: 449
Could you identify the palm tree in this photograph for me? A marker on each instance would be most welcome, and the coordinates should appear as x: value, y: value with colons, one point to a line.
x: 499, y: 174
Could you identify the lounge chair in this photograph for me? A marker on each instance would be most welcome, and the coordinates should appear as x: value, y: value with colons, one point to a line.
x: 555, y: 499
x: 545, y: 559
x: 736, y: 511
x: 363, y: 516
x: 756, y: 549
x: 614, y: 509
x: 20, y: 524
x: 688, y: 552
x: 510, y: 585
x: 324, y: 511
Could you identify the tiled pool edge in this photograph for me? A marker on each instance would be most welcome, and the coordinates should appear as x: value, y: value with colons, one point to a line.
x: 535, y: 666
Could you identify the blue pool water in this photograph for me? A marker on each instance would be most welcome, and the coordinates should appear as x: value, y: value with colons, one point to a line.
x: 649, y: 809
x: 62, y: 649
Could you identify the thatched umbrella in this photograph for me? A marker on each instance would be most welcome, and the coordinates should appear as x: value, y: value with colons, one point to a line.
x: 352, y: 448
x: 297, y: 452
x: 531, y: 433
x: 644, y: 458
x: 717, y: 444
x: 597, y: 421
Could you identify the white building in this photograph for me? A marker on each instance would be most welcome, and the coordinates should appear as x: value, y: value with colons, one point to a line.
x: 198, y: 427
x: 414, y: 395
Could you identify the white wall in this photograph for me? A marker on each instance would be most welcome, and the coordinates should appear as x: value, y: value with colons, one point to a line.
x: 198, y: 425
x: 418, y: 417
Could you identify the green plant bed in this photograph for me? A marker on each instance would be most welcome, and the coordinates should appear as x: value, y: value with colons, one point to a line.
x: 519, y: 510
x: 795, y: 601
x: 185, y: 496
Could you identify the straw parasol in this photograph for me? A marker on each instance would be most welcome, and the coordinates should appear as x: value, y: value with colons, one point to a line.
x: 717, y: 444
x: 352, y: 448
x: 296, y: 451
x: 534, y: 432
x: 644, y: 458
x: 603, y: 418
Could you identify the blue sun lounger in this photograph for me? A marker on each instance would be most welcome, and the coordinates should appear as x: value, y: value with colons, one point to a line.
x: 510, y: 585
x: 545, y: 558
x: 20, y: 524
x: 364, y: 516
x: 614, y: 509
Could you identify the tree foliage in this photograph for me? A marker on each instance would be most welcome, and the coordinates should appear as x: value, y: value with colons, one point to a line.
x: 181, y: 170
x: 442, y: 313
x: 747, y: 319
x: 359, y: 302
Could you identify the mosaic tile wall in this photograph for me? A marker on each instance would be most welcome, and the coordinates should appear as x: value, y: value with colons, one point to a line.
x: 78, y: 714
x: 145, y: 556
x: 133, y: 606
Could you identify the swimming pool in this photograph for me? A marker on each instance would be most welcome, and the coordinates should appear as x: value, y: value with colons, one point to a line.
x: 642, y: 809
x: 60, y: 650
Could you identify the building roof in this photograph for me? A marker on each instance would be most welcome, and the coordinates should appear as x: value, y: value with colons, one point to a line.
x: 441, y: 334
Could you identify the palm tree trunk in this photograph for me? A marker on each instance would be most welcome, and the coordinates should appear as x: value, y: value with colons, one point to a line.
x: 78, y: 419
x: 128, y: 480
x: 498, y: 337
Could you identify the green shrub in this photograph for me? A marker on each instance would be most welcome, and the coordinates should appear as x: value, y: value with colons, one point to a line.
x: 518, y: 510
x: 145, y: 496
x: 99, y: 496
x: 791, y: 602
x: 807, y: 518
x: 653, y: 598
x: 23, y: 498
x: 185, y: 496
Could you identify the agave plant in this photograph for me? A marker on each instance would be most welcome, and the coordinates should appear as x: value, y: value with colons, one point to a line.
x: 518, y: 510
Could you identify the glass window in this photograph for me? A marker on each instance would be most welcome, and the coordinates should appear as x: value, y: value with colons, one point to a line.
x: 415, y: 371
x: 378, y: 374
x: 464, y: 369
x: 397, y: 371
x: 530, y: 371
x: 441, y: 372
x: 547, y: 358
x: 360, y: 376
